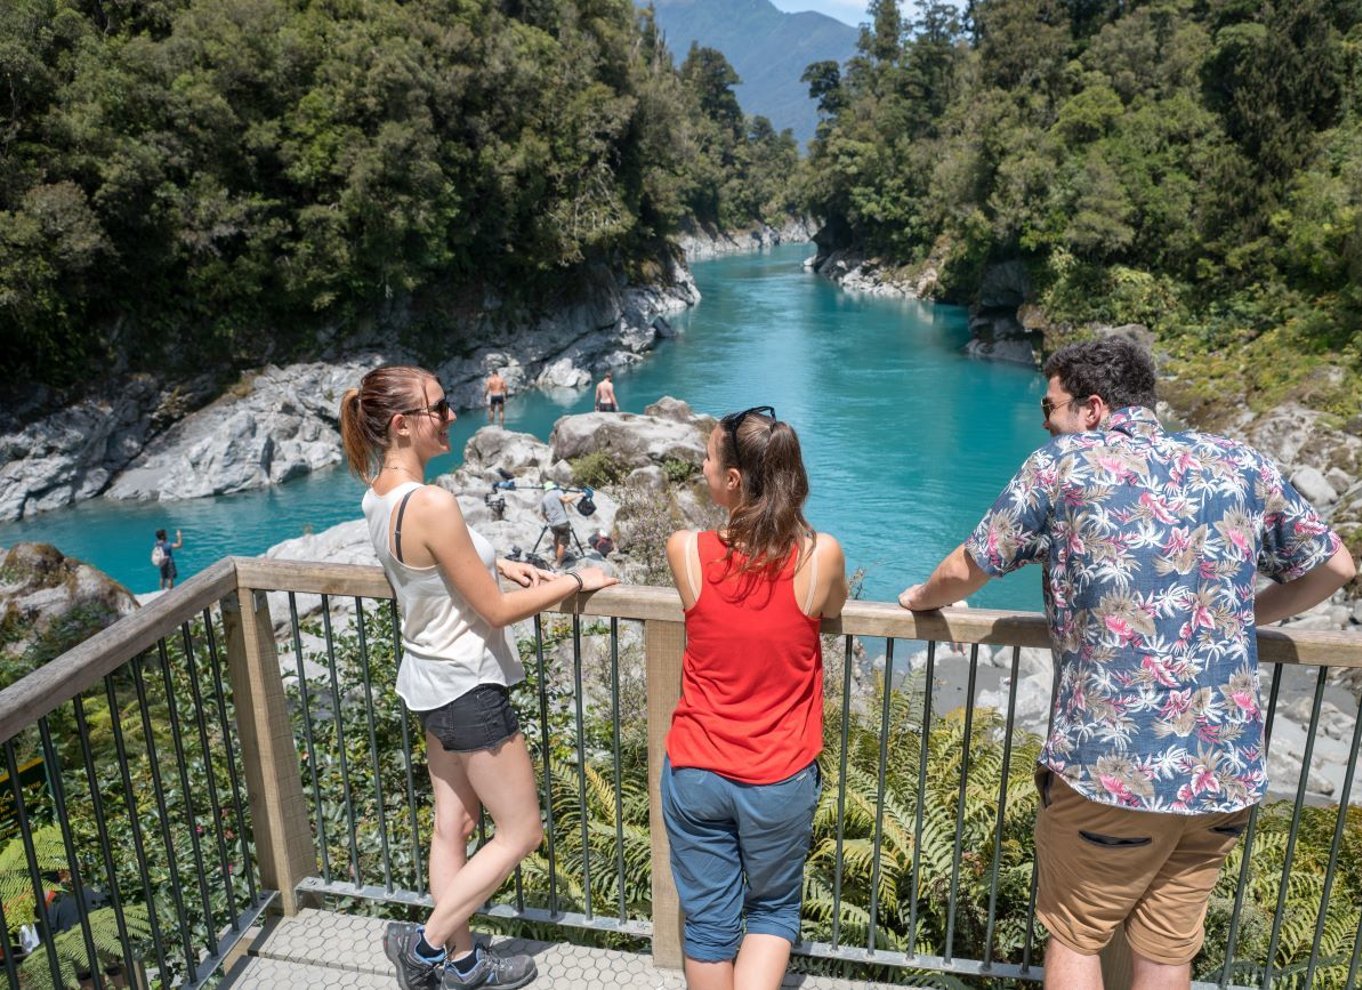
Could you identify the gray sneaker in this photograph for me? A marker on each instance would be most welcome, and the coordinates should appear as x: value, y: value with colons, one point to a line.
x: 492, y: 972
x: 413, y: 972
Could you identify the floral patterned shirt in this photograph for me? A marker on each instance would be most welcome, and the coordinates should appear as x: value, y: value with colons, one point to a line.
x: 1150, y: 542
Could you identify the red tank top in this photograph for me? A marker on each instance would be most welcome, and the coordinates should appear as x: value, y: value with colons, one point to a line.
x: 751, y: 704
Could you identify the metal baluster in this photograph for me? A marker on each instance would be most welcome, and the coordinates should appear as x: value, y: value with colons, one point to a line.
x: 409, y: 757
x: 135, y: 825
x: 925, y: 732
x: 153, y: 761
x: 30, y: 855
x: 58, y: 789
x: 581, y: 764
x: 1339, y: 826
x: 8, y: 950
x: 1249, y: 832
x: 615, y: 745
x: 338, y: 715
x: 880, y: 793
x: 200, y: 722
x: 102, y: 829
x: 232, y: 775
x: 304, y: 696
x: 842, y: 796
x: 373, y: 747
x: 548, y: 762
x: 960, y: 803
x: 1301, y: 786
x: 1002, y: 809
x: 1035, y: 873
x: 186, y: 796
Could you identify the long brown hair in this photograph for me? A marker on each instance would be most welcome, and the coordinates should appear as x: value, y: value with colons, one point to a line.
x: 367, y: 411
x: 768, y: 520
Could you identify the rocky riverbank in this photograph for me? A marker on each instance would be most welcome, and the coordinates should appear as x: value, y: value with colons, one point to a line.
x: 700, y: 243
x: 140, y: 437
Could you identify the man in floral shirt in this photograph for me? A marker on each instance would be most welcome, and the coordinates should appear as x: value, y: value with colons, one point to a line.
x: 1151, y: 543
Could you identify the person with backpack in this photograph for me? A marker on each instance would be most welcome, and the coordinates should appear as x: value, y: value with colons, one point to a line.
x: 163, y: 557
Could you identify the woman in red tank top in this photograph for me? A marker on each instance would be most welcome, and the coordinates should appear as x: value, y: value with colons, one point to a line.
x: 741, y: 780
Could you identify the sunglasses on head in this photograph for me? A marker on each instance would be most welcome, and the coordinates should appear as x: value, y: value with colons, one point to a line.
x: 732, y: 421
x: 440, y: 409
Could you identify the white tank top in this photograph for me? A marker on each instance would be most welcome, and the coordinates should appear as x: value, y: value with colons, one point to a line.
x: 448, y: 649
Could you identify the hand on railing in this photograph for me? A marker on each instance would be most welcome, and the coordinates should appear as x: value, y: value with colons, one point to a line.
x: 522, y: 573
x: 594, y: 579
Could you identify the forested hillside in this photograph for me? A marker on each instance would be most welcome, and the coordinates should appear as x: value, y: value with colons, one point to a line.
x: 1193, y: 165
x: 191, y: 184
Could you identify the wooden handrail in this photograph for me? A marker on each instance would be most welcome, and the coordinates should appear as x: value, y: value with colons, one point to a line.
x: 859, y: 618
x: 38, y: 693
x: 84, y: 665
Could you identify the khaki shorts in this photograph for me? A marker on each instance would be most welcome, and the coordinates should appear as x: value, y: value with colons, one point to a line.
x: 1101, y: 866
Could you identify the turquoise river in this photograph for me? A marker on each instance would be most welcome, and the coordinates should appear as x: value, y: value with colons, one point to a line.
x: 907, y: 441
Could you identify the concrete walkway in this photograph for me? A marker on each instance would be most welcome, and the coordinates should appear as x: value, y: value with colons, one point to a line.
x: 321, y: 949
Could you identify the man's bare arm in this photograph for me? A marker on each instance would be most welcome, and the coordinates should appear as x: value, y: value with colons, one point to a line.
x: 1282, y: 600
x: 956, y: 577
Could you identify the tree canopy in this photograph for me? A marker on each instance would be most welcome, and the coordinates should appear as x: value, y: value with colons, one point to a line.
x: 207, y: 182
x: 1196, y: 166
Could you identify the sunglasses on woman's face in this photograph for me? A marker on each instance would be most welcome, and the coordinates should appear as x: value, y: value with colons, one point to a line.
x: 439, y: 409
x: 732, y: 421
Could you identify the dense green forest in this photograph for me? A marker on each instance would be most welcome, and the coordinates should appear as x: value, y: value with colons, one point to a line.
x: 1193, y: 165
x: 207, y: 183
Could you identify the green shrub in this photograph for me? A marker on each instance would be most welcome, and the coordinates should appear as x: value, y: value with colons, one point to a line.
x: 677, y: 471
x: 596, y: 469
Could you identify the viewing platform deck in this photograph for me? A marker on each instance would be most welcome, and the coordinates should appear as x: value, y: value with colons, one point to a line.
x: 325, y: 949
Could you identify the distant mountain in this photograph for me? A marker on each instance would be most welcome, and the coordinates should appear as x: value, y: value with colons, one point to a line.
x: 768, y: 48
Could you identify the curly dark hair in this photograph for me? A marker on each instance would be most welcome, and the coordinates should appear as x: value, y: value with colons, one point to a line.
x: 1116, y: 368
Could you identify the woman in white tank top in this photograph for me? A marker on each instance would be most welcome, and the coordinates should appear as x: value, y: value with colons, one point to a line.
x: 458, y: 661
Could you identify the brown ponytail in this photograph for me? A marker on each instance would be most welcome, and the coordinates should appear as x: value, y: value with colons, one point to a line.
x: 365, y: 413
x: 768, y: 520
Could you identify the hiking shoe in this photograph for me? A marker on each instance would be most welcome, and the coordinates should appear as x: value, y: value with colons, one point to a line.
x: 413, y: 972
x: 492, y: 972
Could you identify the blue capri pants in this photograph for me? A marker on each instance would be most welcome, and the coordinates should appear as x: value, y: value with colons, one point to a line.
x: 737, y: 850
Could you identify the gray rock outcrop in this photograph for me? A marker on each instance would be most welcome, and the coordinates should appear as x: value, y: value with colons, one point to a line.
x: 701, y: 243
x: 630, y: 440
x: 853, y: 271
x: 283, y: 427
x: 50, y: 602
x: 146, y: 439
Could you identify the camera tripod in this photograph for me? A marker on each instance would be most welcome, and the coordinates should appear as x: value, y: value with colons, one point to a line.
x: 581, y: 552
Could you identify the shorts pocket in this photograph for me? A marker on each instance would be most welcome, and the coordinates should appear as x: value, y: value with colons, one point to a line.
x: 1114, y: 841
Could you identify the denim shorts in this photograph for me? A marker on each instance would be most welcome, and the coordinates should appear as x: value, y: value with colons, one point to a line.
x: 737, y: 852
x: 481, y: 719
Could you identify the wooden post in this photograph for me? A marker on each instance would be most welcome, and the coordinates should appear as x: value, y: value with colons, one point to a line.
x: 1117, y: 968
x: 283, y: 829
x: 664, y: 643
